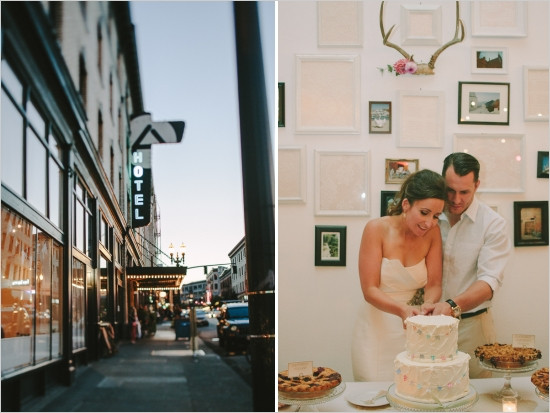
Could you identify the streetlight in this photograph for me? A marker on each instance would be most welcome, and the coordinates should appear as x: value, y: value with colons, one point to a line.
x: 180, y: 254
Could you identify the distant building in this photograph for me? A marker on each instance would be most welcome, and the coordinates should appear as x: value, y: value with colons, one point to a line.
x: 239, y: 282
x: 226, y: 287
x: 213, y: 285
x: 197, y: 288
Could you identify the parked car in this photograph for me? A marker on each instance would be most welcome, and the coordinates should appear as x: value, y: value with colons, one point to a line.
x: 200, y: 317
x: 233, y: 326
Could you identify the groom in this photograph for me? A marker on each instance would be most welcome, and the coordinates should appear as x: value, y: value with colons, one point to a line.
x: 475, y: 252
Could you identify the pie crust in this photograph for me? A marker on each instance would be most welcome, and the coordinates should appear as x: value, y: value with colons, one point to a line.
x: 506, y: 356
x: 540, y: 379
x: 322, y: 380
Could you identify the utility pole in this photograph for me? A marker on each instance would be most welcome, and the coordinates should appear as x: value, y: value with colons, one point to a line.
x: 259, y: 208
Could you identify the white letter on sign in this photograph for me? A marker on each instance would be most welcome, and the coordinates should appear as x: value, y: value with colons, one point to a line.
x: 138, y: 157
x: 138, y: 199
x: 138, y: 171
x: 137, y: 216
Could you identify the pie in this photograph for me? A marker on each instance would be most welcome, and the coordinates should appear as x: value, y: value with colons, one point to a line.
x: 504, y: 355
x: 540, y: 379
x: 322, y: 380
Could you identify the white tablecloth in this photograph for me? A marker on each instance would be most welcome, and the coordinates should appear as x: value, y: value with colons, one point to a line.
x: 528, y: 402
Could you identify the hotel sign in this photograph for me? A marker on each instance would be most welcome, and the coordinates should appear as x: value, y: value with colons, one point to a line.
x: 145, y: 133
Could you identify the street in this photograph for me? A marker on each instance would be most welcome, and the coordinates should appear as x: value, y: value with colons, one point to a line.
x: 237, y: 361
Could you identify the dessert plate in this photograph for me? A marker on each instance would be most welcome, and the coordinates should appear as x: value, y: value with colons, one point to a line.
x: 363, y: 398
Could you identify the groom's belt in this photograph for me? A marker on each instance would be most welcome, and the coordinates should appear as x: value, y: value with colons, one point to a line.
x: 468, y: 315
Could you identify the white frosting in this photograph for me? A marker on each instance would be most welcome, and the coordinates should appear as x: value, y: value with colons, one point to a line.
x: 420, y: 382
x: 432, y: 369
x: 432, y: 339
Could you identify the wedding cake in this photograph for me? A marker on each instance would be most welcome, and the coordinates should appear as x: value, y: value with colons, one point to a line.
x: 431, y: 369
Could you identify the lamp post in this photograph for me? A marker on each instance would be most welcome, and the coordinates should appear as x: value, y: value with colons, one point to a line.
x: 180, y: 254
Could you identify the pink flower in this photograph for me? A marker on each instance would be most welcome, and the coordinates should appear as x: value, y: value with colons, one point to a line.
x: 410, y: 67
x: 399, y: 66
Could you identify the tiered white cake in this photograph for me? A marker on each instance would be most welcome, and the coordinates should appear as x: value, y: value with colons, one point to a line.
x: 432, y: 369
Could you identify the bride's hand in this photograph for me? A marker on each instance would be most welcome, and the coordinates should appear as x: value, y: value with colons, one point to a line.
x: 409, y: 311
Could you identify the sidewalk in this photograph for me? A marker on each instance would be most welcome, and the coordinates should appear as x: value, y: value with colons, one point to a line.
x: 155, y: 374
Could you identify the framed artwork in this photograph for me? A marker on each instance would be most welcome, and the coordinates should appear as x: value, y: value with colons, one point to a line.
x: 398, y: 170
x: 420, y: 25
x: 481, y: 103
x: 330, y: 245
x: 292, y: 174
x: 340, y: 23
x: 281, y: 106
x: 501, y: 157
x: 489, y: 60
x: 342, y: 183
x: 530, y: 223
x: 542, y: 164
x: 387, y: 198
x: 379, y: 117
x: 499, y: 18
x: 535, y: 93
x: 325, y: 82
x: 421, y: 119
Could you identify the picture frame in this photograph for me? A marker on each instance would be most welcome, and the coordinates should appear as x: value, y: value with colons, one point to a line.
x: 489, y: 60
x: 501, y: 157
x: 421, y: 115
x: 281, y: 105
x: 292, y: 167
x: 498, y: 18
x: 386, y: 199
x: 542, y: 164
x: 324, y: 82
x: 342, y: 183
x: 536, y: 93
x: 330, y: 245
x: 530, y: 223
x: 483, y: 103
x: 340, y: 24
x: 398, y: 170
x: 380, y: 117
x: 421, y: 25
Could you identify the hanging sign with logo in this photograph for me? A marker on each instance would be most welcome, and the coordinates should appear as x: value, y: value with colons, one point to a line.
x: 145, y: 133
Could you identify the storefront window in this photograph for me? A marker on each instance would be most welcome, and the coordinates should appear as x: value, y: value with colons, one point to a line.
x: 78, y: 305
x: 57, y: 300
x: 12, y: 145
x: 104, y: 290
x: 32, y: 276
x: 43, y: 296
x: 36, y: 168
x: 28, y: 166
x: 83, y: 219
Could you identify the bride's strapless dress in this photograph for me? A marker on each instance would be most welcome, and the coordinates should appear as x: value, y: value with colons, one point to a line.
x: 379, y: 336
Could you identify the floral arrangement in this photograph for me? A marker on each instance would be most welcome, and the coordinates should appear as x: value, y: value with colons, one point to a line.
x: 401, y: 67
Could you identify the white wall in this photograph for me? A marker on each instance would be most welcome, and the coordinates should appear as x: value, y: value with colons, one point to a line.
x: 317, y: 305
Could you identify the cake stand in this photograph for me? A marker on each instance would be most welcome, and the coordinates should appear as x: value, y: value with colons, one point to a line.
x: 541, y: 395
x: 308, y: 404
x: 507, y: 389
x: 459, y: 405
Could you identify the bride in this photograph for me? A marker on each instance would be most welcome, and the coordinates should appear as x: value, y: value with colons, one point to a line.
x: 400, y: 258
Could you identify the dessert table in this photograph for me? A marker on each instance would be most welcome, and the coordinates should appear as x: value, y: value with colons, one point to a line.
x: 529, y: 401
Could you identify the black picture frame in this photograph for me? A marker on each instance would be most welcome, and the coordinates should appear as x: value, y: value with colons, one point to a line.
x: 484, y: 103
x: 542, y: 164
x: 530, y: 223
x: 386, y: 197
x: 380, y: 117
x: 330, y: 245
x: 281, y: 108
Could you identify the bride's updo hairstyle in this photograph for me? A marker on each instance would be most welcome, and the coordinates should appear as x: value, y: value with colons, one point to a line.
x: 419, y: 185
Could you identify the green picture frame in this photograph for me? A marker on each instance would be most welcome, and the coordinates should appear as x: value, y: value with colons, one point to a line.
x: 330, y: 245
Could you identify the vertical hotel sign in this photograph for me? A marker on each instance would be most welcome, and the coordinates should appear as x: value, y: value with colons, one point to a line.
x: 145, y: 133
